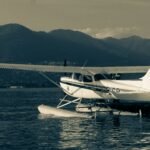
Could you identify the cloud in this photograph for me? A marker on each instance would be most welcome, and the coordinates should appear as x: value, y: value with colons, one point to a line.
x: 86, y: 30
x: 117, y: 32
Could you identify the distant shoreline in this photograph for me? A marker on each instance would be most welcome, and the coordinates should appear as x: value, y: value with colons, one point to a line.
x: 31, y: 89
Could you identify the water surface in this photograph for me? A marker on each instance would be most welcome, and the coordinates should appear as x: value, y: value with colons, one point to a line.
x: 22, y: 127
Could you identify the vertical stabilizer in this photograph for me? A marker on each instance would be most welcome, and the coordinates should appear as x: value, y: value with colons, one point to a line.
x: 147, y: 75
x: 146, y: 80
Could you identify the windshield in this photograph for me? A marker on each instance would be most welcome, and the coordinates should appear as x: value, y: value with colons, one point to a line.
x: 84, y: 78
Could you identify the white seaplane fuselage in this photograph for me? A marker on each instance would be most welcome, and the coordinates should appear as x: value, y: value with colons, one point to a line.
x: 136, y: 90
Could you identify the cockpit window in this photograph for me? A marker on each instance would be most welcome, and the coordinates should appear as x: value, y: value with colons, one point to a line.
x: 77, y: 76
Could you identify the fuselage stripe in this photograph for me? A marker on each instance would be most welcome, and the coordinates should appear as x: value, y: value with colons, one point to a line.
x: 86, y: 86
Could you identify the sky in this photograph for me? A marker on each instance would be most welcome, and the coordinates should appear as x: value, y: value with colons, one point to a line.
x: 99, y: 18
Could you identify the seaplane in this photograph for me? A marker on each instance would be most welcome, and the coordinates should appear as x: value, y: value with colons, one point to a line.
x: 92, y: 84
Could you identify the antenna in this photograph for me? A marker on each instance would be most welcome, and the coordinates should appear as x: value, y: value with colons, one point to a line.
x: 82, y: 68
x: 84, y: 64
x: 65, y: 64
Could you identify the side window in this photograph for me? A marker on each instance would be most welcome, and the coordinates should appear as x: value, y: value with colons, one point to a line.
x: 87, y: 78
x: 98, y: 77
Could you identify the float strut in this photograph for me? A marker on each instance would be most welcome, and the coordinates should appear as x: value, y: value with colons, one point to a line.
x: 67, y: 102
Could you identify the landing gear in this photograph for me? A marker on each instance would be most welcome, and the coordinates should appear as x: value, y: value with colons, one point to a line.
x: 84, y: 107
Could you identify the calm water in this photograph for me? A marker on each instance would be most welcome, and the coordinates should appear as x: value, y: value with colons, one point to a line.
x: 23, y: 128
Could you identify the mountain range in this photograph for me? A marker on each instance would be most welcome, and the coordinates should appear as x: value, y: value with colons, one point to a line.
x: 19, y: 44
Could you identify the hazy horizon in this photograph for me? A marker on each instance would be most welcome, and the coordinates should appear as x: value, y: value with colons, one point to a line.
x: 99, y: 18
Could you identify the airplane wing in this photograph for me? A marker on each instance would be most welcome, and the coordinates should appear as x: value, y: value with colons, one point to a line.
x: 73, y: 69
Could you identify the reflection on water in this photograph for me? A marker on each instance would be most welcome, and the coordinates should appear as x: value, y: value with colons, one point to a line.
x: 22, y: 127
x: 109, y: 132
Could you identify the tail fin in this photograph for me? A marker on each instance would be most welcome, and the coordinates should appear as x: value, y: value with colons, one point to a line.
x: 146, y: 80
x: 146, y: 76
